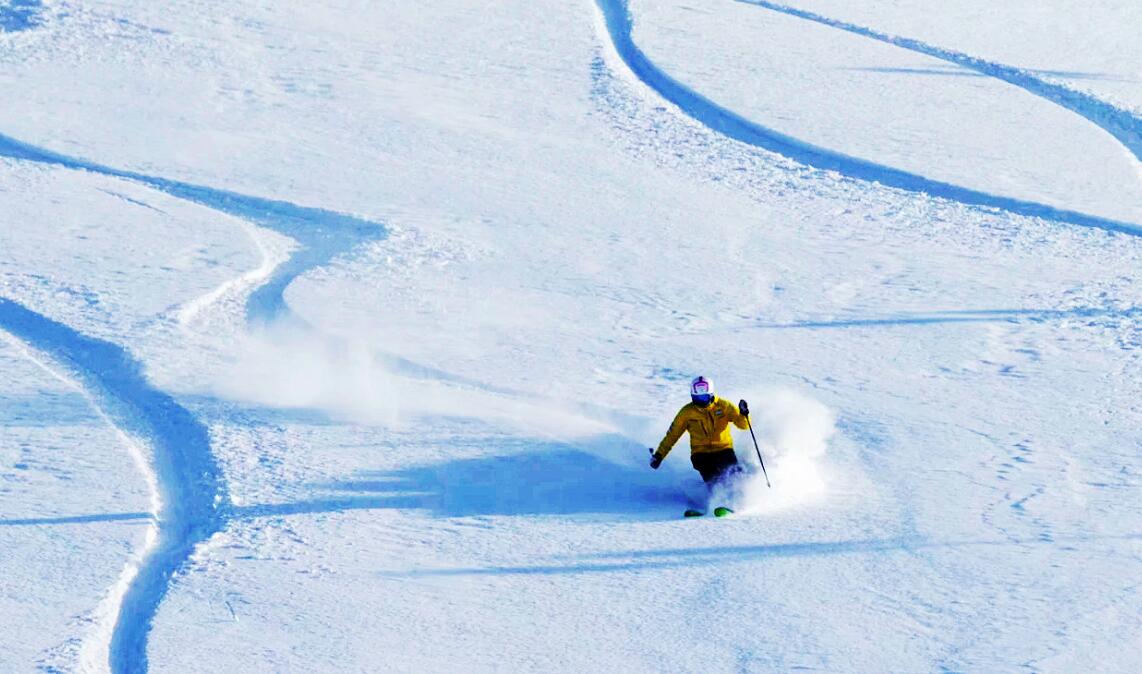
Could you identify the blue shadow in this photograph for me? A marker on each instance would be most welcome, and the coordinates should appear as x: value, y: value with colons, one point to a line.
x: 947, y: 317
x: 20, y: 15
x: 652, y: 560
x: 544, y: 480
x: 710, y: 557
x: 76, y: 519
x: 737, y: 127
x: 952, y: 72
x: 189, y: 480
x: 547, y: 480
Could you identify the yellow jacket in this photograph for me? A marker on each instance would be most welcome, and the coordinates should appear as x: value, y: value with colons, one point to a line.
x: 709, y: 427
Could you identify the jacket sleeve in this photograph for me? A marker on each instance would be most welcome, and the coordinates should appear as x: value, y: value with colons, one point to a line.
x: 677, y: 428
x: 736, y: 417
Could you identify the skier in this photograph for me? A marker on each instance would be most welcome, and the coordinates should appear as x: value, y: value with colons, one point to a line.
x: 707, y: 418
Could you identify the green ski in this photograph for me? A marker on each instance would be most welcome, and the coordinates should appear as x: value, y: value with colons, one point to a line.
x: 720, y: 511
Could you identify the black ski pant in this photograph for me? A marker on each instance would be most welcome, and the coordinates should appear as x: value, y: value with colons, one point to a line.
x: 715, y: 466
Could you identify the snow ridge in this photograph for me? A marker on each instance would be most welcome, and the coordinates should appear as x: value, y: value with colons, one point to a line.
x: 191, y: 493
x: 322, y: 234
x: 619, y: 24
x: 1124, y: 126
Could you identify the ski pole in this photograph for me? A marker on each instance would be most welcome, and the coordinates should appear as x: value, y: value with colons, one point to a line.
x: 747, y: 421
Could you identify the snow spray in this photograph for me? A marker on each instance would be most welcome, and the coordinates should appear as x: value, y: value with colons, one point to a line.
x: 793, y: 431
x: 286, y: 365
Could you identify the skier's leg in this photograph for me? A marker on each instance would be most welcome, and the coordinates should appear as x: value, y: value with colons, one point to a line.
x: 724, y: 470
x: 724, y: 464
x: 715, y: 466
x: 708, y: 466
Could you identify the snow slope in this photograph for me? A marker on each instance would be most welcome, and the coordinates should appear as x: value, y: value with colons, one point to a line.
x: 1081, y: 49
x: 336, y: 335
x: 87, y: 528
x: 971, y: 131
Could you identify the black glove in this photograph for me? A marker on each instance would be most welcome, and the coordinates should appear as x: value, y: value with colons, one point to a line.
x: 743, y: 408
x: 655, y: 461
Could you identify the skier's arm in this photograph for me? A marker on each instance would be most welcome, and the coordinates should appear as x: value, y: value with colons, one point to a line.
x: 677, y: 428
x: 740, y: 420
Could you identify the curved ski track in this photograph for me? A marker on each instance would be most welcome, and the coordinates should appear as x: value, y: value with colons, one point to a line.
x: 322, y: 235
x: 619, y: 24
x: 191, y: 486
x: 189, y: 482
x: 1124, y: 126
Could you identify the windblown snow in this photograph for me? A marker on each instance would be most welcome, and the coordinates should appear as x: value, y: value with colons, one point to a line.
x: 334, y: 335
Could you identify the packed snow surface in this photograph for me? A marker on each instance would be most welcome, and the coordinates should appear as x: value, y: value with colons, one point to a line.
x: 334, y: 335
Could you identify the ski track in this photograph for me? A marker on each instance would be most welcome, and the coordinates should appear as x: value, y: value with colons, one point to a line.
x: 190, y: 485
x: 322, y: 235
x: 238, y: 285
x: 619, y: 24
x: 191, y: 494
x: 1121, y: 124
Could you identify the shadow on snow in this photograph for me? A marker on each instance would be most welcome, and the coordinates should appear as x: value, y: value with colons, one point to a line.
x: 711, y: 557
x: 77, y: 519
x: 548, y: 480
x: 20, y: 15
x: 968, y: 316
x: 189, y: 480
x: 552, y: 480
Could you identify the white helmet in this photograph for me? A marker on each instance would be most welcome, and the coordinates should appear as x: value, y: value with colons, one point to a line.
x: 701, y: 390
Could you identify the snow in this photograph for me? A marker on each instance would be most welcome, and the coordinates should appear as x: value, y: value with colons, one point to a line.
x: 335, y: 335
x: 926, y: 116
x: 1080, y: 48
x: 70, y: 519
